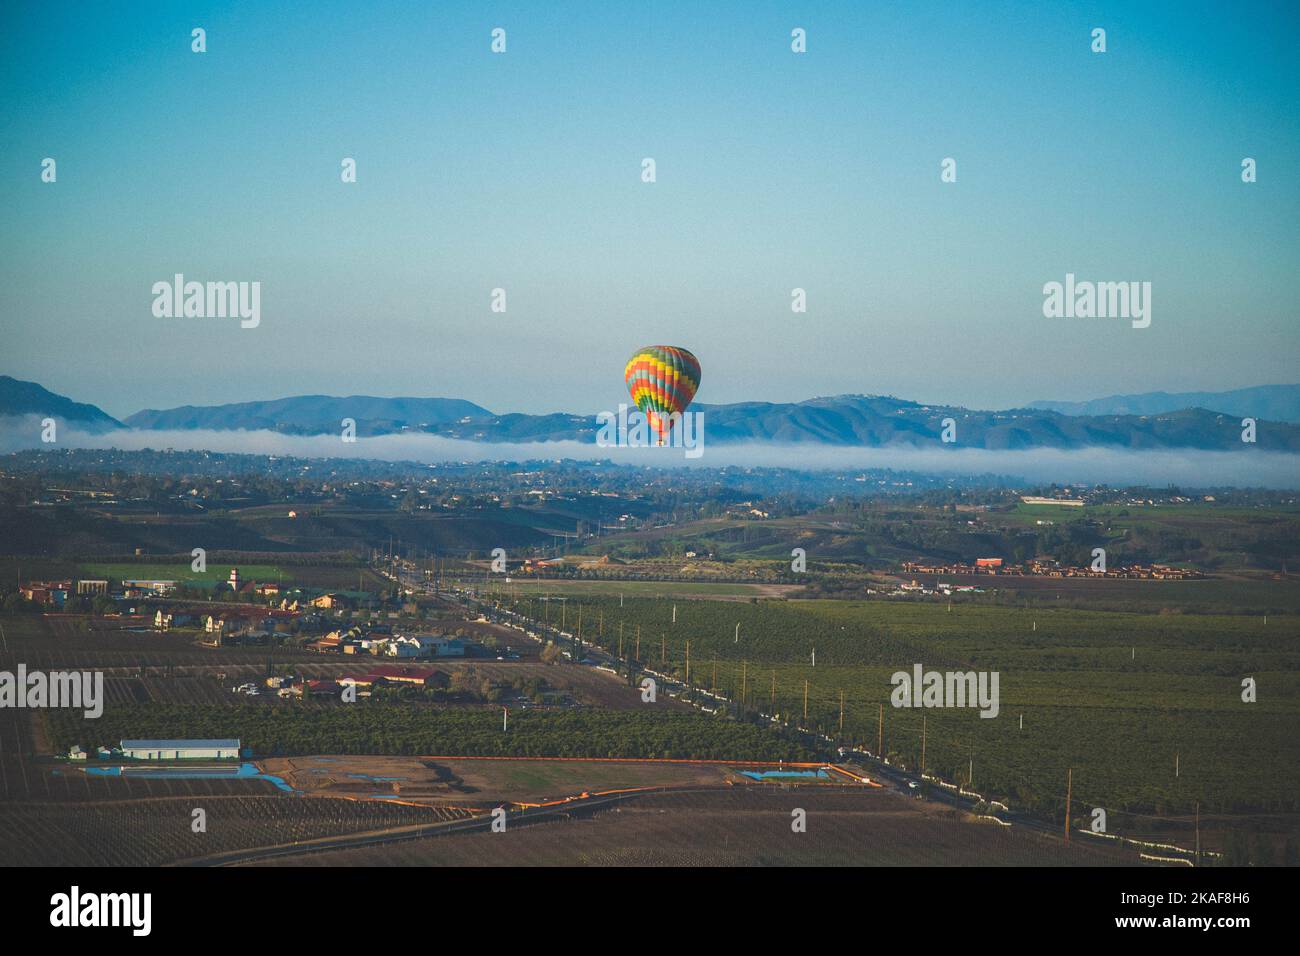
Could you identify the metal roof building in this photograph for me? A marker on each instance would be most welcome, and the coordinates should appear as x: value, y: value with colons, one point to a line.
x: 180, y: 749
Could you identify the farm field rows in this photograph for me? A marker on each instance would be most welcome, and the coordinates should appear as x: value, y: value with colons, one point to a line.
x: 74, y: 641
x: 1240, y: 594
x: 184, y: 573
x: 1146, y: 709
x: 482, y: 783
x: 738, y: 827
x: 561, y: 587
x: 398, y: 729
x: 155, y: 831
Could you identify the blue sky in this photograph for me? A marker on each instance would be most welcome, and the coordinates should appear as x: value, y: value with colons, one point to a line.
x: 522, y: 171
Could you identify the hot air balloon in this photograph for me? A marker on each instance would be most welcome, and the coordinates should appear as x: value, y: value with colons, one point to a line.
x: 662, y: 379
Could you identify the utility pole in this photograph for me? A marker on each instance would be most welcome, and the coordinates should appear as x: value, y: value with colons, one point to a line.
x: 841, y: 711
x: 880, y: 734
x: 772, y: 706
x: 805, y: 702
x: 688, y: 663
x: 1069, y: 791
x: 1197, y: 860
x: 744, y: 681
x: 922, y: 746
x: 663, y: 650
x: 638, y: 643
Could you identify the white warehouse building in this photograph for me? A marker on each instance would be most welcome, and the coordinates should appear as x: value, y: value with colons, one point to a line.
x: 180, y: 749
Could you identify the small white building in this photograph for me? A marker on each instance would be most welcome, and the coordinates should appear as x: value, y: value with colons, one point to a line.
x: 449, y: 647
x: 180, y: 749
x: 425, y: 645
x: 409, y: 646
x: 136, y: 586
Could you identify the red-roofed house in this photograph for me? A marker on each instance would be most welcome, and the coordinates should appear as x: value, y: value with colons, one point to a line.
x: 411, y: 676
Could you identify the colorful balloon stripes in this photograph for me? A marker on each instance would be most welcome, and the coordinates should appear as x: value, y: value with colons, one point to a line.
x: 662, y: 379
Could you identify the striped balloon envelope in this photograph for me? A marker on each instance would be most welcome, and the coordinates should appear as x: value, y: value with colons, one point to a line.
x: 662, y: 379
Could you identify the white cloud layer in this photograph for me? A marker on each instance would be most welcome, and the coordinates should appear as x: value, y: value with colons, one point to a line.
x: 1248, y: 467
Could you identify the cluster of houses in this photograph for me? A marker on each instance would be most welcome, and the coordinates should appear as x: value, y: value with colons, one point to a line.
x: 943, y: 589
x: 234, y: 625
x: 295, y: 598
x: 379, y: 642
x: 1049, y: 568
x: 56, y: 593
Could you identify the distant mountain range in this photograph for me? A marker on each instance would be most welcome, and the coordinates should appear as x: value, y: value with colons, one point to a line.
x: 18, y: 398
x: 1277, y: 403
x: 843, y: 420
x: 314, y: 414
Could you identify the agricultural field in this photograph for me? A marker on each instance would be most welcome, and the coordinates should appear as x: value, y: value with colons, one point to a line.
x: 73, y: 641
x: 1239, y: 594
x: 70, y: 640
x: 398, y: 729
x: 482, y: 783
x: 324, y: 575
x: 1145, y: 709
x: 181, y: 572
x: 154, y: 831
x: 523, y: 586
x: 171, y: 668
x: 562, y: 685
x: 880, y: 535
x: 740, y: 827
x: 1142, y: 708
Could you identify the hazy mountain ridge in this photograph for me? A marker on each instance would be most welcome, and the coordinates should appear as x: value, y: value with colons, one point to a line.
x: 876, y: 421
x: 314, y: 414
x: 871, y: 421
x: 19, y: 399
x: 1279, y: 403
